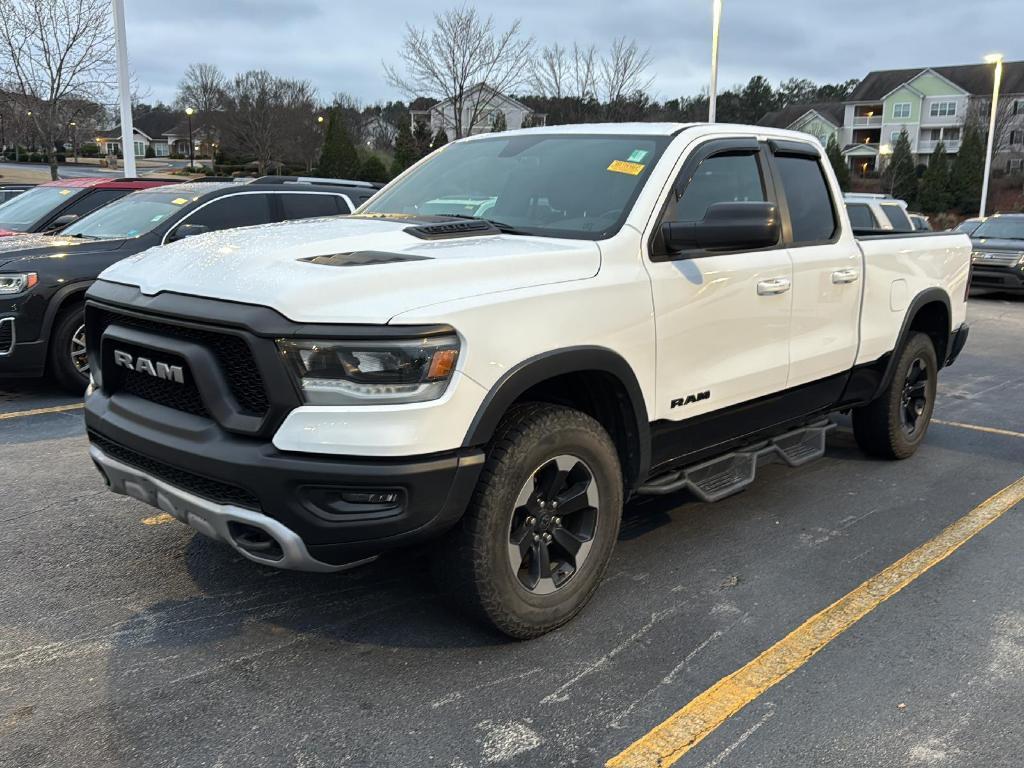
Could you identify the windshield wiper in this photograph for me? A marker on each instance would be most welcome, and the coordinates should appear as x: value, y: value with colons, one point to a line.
x: 80, y: 236
x: 505, y: 229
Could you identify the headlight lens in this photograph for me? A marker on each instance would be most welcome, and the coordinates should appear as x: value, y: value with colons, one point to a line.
x: 11, y: 284
x: 366, y: 372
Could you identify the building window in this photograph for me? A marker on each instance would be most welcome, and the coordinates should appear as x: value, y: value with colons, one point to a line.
x: 895, y: 135
x: 901, y: 110
x: 140, y: 149
x: 942, y: 109
x: 951, y: 134
x: 1017, y: 137
x: 1014, y: 164
x: 1018, y: 107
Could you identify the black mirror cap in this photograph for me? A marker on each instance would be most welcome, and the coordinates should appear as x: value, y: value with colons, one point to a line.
x: 182, y: 231
x: 730, y: 226
x: 62, y: 221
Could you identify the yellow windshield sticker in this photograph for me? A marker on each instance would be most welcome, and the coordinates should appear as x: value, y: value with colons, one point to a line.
x: 65, y: 191
x: 622, y: 166
x: 180, y: 200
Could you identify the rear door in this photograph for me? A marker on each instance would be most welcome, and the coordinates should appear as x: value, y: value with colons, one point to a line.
x: 722, y: 318
x: 307, y: 205
x: 241, y: 209
x: 827, y: 271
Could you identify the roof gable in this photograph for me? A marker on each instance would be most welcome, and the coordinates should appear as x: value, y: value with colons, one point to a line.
x: 975, y: 79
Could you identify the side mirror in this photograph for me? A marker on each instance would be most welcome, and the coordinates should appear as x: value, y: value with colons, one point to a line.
x: 732, y: 226
x: 182, y: 231
x: 62, y: 221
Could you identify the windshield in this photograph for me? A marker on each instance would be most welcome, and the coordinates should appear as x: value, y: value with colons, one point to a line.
x: 21, y: 212
x: 561, y: 186
x: 131, y: 216
x: 998, y: 228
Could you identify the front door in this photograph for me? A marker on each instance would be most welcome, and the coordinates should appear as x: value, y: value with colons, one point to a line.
x: 722, y: 318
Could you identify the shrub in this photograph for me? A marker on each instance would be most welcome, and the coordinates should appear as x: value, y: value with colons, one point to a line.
x: 89, y: 150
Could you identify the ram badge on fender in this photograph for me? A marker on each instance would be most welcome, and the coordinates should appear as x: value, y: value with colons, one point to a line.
x: 506, y: 343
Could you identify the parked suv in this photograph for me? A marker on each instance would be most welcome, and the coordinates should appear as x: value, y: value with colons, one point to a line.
x: 877, y: 213
x: 51, y: 206
x: 998, y: 256
x: 42, y: 286
x: 507, y: 342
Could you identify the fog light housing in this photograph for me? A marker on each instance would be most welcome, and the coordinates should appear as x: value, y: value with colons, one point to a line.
x: 353, y: 504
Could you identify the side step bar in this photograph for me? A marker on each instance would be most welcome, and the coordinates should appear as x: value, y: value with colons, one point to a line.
x: 725, y: 475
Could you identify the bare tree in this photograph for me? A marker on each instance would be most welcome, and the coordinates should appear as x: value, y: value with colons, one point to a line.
x: 203, y: 87
x: 54, y: 55
x: 560, y: 73
x: 462, y: 51
x: 301, y: 134
x: 1007, y: 123
x: 254, y: 100
x: 623, y: 70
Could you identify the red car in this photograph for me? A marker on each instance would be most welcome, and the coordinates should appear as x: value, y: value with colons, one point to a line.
x: 53, y: 205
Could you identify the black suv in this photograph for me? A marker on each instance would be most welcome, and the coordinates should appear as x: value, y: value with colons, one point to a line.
x: 997, y: 261
x: 42, y: 286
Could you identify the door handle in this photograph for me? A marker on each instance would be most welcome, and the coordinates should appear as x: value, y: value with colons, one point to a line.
x: 774, y: 286
x: 841, y: 276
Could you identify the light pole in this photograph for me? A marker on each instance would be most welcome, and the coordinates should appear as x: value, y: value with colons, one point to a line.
x: 191, y: 147
x: 997, y: 59
x: 124, y: 91
x: 74, y: 140
x: 716, y: 20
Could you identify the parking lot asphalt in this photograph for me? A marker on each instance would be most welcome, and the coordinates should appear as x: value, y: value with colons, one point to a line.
x: 128, y: 641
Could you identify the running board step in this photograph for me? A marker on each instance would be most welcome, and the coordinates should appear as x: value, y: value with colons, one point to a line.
x: 732, y: 472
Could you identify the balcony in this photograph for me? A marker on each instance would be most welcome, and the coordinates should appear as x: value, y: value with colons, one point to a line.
x: 927, y: 147
x: 867, y: 121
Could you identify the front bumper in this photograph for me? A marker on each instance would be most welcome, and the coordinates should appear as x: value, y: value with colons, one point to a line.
x: 26, y: 358
x: 220, y: 483
x: 989, y: 278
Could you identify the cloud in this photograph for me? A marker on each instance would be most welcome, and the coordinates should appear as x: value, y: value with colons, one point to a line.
x: 339, y: 46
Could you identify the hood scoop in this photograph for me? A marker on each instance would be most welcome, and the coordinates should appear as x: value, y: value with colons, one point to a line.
x: 449, y: 230
x: 363, y: 258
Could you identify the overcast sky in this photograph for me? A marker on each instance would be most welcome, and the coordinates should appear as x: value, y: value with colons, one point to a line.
x: 339, y: 44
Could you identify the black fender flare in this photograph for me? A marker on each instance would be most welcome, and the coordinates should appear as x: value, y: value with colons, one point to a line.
x: 558, y: 362
x: 58, y: 301
x: 927, y: 296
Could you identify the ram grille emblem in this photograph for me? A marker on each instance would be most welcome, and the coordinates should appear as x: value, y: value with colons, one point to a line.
x: 144, y: 365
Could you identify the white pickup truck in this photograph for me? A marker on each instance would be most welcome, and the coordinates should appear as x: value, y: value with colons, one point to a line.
x: 509, y: 341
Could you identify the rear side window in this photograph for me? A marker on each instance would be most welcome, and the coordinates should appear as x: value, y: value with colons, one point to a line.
x: 807, y: 196
x: 304, y: 206
x: 720, y: 179
x: 861, y: 216
x: 897, y: 217
x: 93, y: 200
x: 233, y: 211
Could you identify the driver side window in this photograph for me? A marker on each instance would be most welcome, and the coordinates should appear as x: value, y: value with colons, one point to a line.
x: 718, y: 179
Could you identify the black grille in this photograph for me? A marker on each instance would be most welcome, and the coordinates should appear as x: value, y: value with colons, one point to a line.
x: 214, y: 490
x: 183, y: 397
x: 6, y: 335
x: 232, y: 353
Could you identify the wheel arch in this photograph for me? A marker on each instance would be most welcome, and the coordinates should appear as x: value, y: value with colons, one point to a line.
x: 931, y: 313
x: 60, y: 301
x: 595, y: 380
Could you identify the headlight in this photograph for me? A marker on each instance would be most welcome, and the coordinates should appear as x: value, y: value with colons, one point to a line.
x: 11, y: 284
x: 367, y: 372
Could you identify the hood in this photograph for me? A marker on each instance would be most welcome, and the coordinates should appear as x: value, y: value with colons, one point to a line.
x: 997, y: 244
x: 351, y: 270
x: 27, y: 248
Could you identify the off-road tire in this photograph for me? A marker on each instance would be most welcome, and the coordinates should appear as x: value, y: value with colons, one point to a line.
x: 879, y: 426
x: 472, y: 564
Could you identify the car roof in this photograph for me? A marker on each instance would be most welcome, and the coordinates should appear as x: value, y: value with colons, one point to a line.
x: 107, y: 182
x: 202, y: 189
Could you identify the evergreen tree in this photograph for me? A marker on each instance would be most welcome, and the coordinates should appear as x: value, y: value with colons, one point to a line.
x: 838, y: 162
x: 405, y: 149
x: 421, y: 138
x: 440, y: 139
x: 967, y: 172
x: 373, y: 170
x: 899, y: 178
x: 500, y: 124
x: 338, y: 158
x: 934, y: 193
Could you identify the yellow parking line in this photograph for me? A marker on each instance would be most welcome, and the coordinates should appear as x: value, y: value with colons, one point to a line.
x: 160, y: 519
x: 681, y: 732
x: 991, y: 430
x: 39, y: 411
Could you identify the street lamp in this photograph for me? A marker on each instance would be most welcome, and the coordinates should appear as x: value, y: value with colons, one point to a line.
x: 191, y: 149
x: 74, y: 140
x: 997, y: 59
x: 716, y: 20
